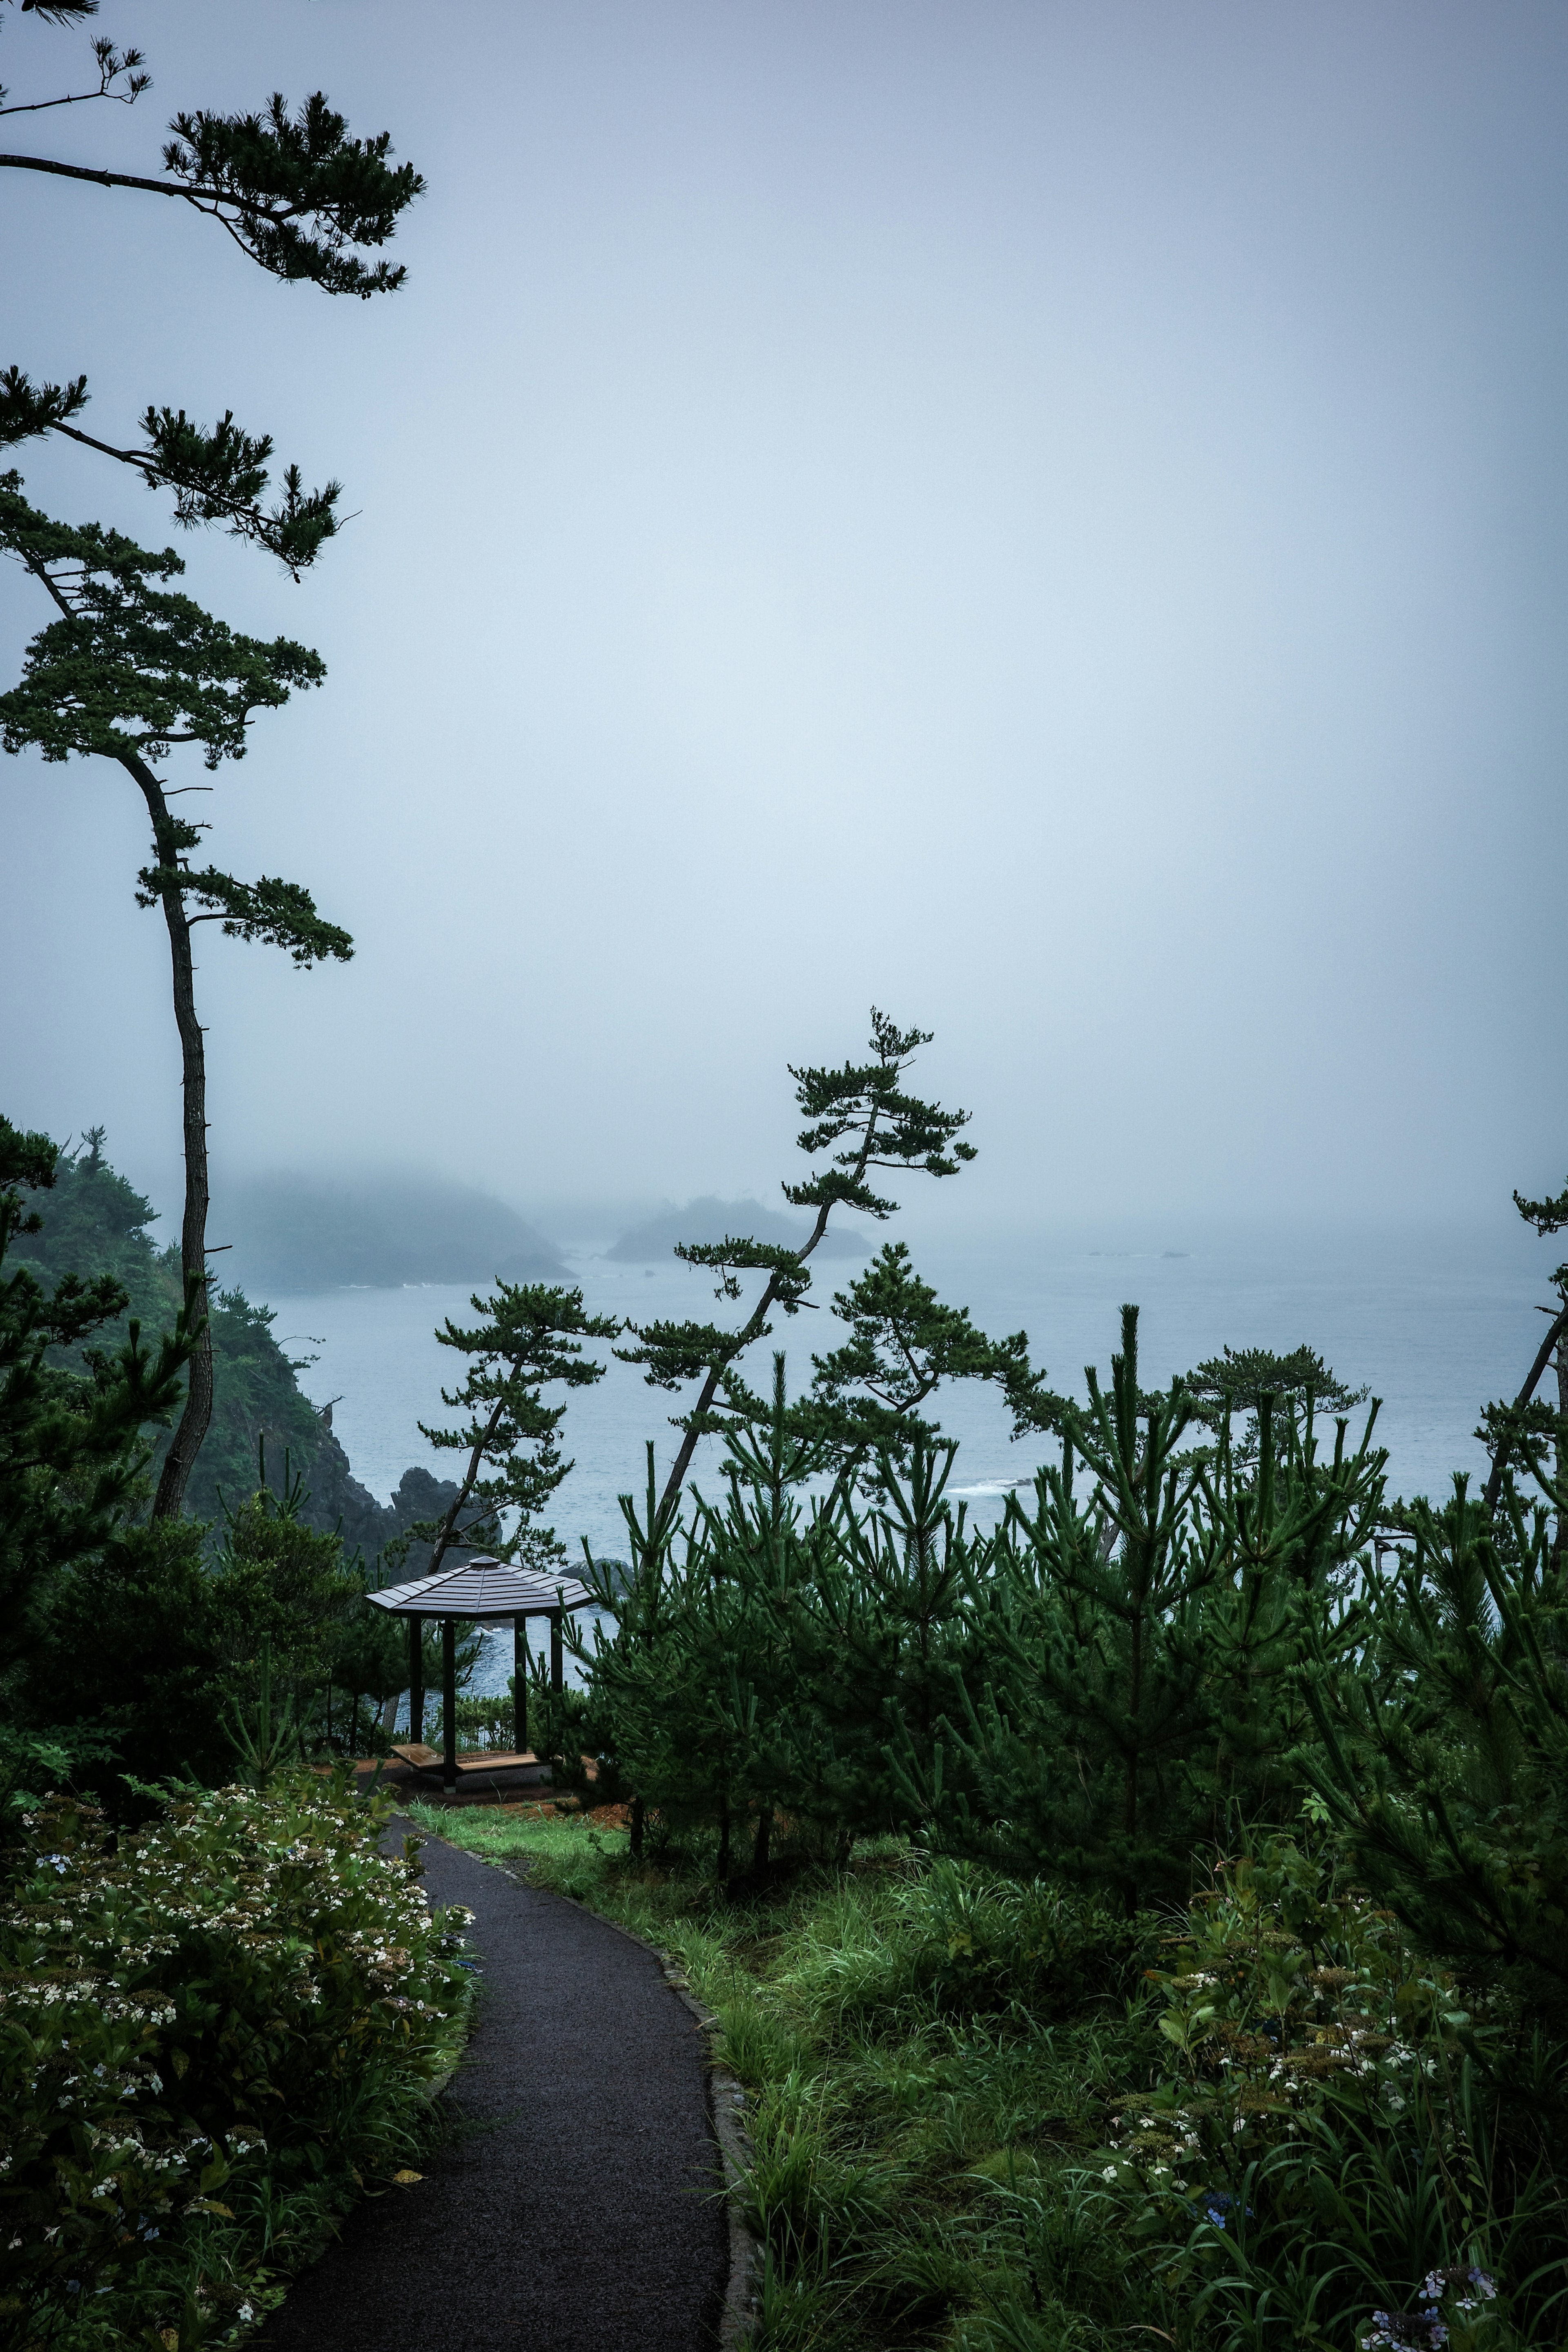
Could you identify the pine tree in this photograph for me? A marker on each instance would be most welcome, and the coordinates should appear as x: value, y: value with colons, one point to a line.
x: 887, y: 1633
x: 128, y: 670
x: 295, y: 192
x: 862, y: 1108
x: 1523, y: 1432
x: 1293, y: 1529
x: 1444, y: 1755
x: 1132, y: 1648
x: 529, y: 1338
x: 307, y: 201
x: 904, y: 1342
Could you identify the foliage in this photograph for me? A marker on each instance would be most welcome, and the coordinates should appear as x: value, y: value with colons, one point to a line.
x: 70, y: 1442
x: 529, y: 1338
x: 131, y: 1667
x: 879, y: 1127
x: 216, y: 475
x: 207, y: 2037
x: 131, y: 666
x: 1136, y: 1700
x: 763, y: 1651
x: 1292, y: 1386
x: 266, y: 1740
x: 149, y: 1650
x: 279, y: 1580
x: 1320, y: 2155
x: 1097, y: 1688
x: 1519, y: 1434
x: 482, y: 1723
x: 294, y: 191
x: 1445, y: 1765
x: 866, y: 1395
x: 92, y: 1223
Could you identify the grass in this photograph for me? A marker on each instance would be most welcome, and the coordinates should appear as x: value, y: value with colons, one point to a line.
x: 927, y: 2055
x: 965, y: 2098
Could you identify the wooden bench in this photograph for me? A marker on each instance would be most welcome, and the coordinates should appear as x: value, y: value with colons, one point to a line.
x: 495, y: 1760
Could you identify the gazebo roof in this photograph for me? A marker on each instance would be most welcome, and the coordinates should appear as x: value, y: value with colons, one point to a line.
x: 482, y: 1588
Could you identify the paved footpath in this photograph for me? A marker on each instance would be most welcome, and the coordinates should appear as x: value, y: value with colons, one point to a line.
x: 573, y: 2210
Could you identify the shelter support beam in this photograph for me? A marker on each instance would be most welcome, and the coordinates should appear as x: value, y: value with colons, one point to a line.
x: 416, y: 1679
x: 449, y: 1705
x: 520, y: 1684
x: 555, y: 1665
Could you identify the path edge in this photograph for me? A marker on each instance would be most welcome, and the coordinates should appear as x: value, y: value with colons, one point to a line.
x: 726, y: 2113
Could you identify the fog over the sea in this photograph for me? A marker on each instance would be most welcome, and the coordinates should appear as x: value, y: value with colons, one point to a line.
x: 1050, y: 519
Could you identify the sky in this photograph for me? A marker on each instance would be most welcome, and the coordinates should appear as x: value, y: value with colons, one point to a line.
x: 1046, y: 519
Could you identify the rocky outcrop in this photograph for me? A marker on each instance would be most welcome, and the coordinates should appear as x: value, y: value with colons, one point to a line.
x: 338, y: 1500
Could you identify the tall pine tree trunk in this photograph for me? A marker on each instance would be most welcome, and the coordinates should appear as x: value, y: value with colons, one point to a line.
x: 186, y: 1443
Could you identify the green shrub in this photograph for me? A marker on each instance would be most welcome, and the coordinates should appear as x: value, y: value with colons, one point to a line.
x: 133, y: 1654
x: 1319, y: 2151
x: 210, y: 2038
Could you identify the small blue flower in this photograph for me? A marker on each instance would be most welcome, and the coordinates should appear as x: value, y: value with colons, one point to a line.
x: 1218, y: 2205
x: 1405, y: 2331
x: 1466, y: 2280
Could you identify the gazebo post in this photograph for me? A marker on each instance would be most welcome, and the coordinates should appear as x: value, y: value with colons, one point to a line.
x: 520, y: 1684
x: 556, y: 1670
x: 449, y: 1705
x: 417, y: 1680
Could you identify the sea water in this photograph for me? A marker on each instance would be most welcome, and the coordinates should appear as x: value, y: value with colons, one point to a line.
x: 1435, y: 1322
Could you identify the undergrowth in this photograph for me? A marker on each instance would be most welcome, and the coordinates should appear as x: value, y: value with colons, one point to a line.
x: 215, y: 2035
x: 988, y: 2115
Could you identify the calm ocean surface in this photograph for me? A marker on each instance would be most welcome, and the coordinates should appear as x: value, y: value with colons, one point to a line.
x: 1436, y: 1322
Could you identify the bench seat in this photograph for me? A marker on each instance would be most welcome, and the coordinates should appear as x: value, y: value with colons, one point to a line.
x: 495, y: 1760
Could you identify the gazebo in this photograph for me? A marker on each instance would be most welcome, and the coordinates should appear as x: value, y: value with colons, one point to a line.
x: 482, y: 1588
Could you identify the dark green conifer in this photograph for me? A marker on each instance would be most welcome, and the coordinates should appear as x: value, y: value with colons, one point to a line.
x: 529, y: 1338
x: 128, y: 670
x: 863, y: 1117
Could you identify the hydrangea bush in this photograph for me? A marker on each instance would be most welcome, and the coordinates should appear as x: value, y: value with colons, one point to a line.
x: 214, y: 2036
x: 1285, y: 1993
x: 1314, y: 2155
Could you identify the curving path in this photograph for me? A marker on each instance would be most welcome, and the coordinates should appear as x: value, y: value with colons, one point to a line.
x: 574, y: 2210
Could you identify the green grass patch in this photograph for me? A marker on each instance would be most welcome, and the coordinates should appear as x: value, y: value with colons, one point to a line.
x: 906, y: 2100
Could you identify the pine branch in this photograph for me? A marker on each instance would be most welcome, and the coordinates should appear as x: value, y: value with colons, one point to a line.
x: 295, y: 193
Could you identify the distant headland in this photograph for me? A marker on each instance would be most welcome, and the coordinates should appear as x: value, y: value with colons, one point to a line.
x: 293, y: 1232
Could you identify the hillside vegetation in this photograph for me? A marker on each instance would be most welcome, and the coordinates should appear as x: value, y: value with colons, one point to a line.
x: 93, y: 1221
